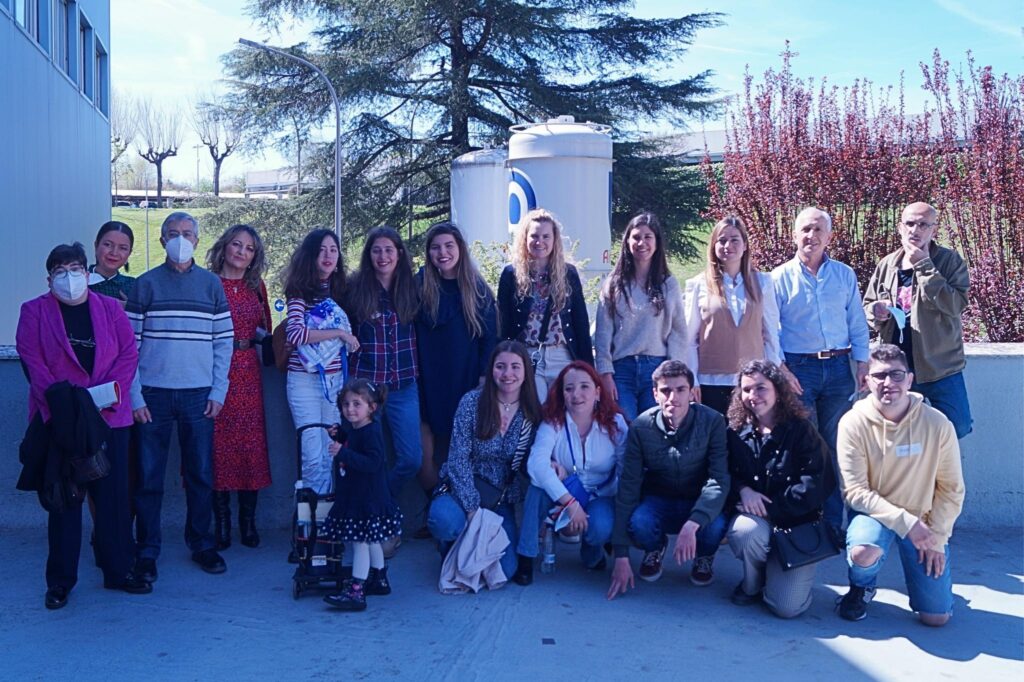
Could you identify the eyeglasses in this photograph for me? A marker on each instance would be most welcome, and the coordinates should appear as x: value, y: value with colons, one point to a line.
x: 897, y: 375
x: 918, y: 223
x: 62, y: 269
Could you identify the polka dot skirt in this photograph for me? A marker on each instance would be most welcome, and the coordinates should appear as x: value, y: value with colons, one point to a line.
x: 370, y: 530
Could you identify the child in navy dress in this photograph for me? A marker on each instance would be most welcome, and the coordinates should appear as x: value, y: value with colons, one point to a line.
x: 363, y: 513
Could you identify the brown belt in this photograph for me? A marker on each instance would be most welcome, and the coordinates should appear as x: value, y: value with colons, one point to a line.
x: 826, y: 354
x: 245, y: 344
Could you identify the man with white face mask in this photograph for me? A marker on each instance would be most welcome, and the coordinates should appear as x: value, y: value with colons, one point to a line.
x: 183, y: 328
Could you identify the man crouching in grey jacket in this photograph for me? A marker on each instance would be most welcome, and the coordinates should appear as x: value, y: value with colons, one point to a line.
x: 675, y: 479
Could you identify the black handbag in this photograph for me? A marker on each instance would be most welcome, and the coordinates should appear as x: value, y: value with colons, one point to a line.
x: 804, y: 544
x: 94, y: 467
x: 492, y: 496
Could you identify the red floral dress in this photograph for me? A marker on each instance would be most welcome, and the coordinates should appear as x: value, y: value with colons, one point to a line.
x: 240, y: 460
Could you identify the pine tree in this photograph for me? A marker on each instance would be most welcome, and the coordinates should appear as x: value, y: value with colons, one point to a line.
x: 424, y: 82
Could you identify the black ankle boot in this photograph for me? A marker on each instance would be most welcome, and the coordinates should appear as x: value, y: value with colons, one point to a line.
x: 377, y: 583
x: 524, y: 571
x: 222, y: 518
x: 247, y: 518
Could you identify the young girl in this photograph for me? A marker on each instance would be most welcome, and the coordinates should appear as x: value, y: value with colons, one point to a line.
x: 363, y: 512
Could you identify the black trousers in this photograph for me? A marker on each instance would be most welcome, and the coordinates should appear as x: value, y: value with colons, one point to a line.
x: 115, y: 548
x: 716, y: 397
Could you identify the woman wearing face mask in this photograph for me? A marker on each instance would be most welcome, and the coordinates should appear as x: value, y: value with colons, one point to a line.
x: 731, y: 315
x: 574, y: 467
x: 456, y: 330
x: 114, y: 243
x: 315, y: 282
x: 540, y: 300
x: 240, y: 460
x: 70, y: 335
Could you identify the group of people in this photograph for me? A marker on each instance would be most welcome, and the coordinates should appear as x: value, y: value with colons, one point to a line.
x: 715, y: 411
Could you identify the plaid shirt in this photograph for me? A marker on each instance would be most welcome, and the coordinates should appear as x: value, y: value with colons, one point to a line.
x: 387, y: 347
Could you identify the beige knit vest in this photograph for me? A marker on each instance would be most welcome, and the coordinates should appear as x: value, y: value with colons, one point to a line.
x: 723, y: 346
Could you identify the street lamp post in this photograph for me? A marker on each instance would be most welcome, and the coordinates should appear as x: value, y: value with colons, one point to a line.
x: 337, y: 122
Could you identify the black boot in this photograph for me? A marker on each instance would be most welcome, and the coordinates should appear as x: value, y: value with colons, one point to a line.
x: 524, y: 571
x: 377, y: 583
x: 247, y: 518
x: 222, y: 518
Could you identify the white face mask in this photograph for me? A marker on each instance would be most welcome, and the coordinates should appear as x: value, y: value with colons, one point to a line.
x: 69, y: 286
x: 179, y: 249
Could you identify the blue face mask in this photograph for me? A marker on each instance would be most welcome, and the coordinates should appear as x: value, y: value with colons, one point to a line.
x: 900, y: 318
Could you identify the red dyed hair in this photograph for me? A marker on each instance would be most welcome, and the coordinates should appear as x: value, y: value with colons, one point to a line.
x: 607, y: 408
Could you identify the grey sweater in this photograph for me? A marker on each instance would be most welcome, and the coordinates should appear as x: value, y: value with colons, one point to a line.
x: 635, y: 329
x: 183, y: 328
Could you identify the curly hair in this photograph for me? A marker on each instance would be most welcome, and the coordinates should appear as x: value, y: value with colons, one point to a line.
x: 254, y: 273
x: 476, y: 295
x: 624, y: 272
x: 787, y: 404
x: 301, y: 279
x: 556, y: 262
x: 604, y: 411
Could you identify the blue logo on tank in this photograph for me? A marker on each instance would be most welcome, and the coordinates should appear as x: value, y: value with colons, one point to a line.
x: 521, y: 198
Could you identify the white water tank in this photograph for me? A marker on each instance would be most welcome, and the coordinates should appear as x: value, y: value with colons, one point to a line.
x: 566, y: 168
x: 479, y: 194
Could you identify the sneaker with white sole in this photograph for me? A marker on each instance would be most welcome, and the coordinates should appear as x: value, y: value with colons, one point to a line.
x: 650, y: 566
x: 854, y: 604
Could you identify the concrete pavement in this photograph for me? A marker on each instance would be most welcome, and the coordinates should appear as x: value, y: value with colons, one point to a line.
x: 245, y: 624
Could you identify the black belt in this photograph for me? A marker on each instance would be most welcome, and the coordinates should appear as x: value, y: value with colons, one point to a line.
x: 826, y: 354
x: 245, y: 344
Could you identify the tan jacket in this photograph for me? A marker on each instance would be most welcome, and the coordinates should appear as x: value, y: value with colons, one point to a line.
x: 902, y: 473
x: 941, y: 282
x: 474, y: 561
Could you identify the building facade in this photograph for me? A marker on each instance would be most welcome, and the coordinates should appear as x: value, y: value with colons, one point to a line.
x: 54, y: 137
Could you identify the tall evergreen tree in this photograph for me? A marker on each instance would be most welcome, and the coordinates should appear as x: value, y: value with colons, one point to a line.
x: 423, y: 82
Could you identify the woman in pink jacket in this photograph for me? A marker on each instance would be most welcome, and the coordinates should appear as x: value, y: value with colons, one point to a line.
x: 74, y: 335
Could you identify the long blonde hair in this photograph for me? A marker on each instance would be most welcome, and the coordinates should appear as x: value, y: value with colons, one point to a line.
x: 556, y: 262
x: 476, y: 295
x: 713, y: 269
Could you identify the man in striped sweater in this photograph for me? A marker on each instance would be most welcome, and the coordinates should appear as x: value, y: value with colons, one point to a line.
x: 184, y: 332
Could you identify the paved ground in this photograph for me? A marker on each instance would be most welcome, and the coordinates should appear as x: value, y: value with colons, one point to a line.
x: 245, y: 624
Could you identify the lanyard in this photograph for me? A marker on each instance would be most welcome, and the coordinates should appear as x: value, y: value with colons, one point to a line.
x: 568, y: 439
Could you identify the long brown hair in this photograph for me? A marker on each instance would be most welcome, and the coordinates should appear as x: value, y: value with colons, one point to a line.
x: 787, y: 405
x: 301, y: 279
x: 624, y: 272
x: 488, y: 418
x: 713, y: 269
x: 604, y: 411
x: 556, y: 261
x: 476, y: 295
x: 364, y: 288
x: 254, y: 273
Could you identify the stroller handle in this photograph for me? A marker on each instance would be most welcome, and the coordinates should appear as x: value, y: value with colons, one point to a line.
x: 298, y: 442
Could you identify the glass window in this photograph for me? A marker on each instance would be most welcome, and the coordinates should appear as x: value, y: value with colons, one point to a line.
x: 60, y: 35
x: 100, y: 79
x: 26, y: 13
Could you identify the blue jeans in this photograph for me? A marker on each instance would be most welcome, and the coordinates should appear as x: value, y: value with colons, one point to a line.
x: 927, y: 595
x: 601, y: 518
x: 447, y: 519
x: 633, y: 382
x: 948, y: 395
x: 828, y: 385
x: 402, y: 416
x: 184, y: 407
x: 657, y: 516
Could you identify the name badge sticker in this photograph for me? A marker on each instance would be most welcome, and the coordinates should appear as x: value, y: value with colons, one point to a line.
x: 908, y: 450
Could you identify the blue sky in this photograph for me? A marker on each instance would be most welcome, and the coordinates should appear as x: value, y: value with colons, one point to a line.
x: 170, y: 49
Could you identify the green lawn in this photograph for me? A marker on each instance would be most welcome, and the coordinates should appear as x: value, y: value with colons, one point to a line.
x: 135, y: 218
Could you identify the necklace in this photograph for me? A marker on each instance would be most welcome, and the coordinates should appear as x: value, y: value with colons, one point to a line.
x: 508, y: 406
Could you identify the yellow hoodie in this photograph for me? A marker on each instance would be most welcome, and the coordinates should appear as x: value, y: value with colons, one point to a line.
x: 901, y: 473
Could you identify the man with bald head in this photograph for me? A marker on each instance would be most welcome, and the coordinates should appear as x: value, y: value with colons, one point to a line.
x: 914, y: 300
x: 822, y: 329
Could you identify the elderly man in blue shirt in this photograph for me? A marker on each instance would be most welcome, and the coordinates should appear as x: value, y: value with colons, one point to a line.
x: 822, y: 326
